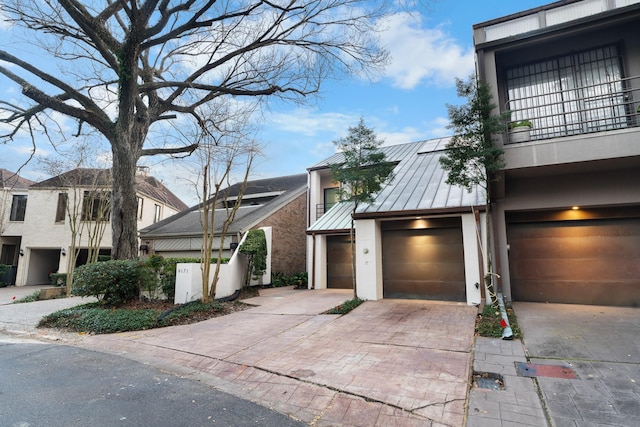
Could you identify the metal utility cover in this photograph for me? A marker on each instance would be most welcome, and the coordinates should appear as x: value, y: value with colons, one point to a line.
x: 551, y: 371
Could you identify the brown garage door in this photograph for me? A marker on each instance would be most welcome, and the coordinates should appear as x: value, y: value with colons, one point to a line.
x: 423, y: 263
x: 577, y: 262
x: 339, y: 262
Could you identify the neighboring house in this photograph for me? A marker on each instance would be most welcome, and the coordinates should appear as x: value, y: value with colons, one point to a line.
x: 45, y: 224
x: 418, y: 239
x: 567, y: 204
x: 13, y: 203
x: 279, y: 203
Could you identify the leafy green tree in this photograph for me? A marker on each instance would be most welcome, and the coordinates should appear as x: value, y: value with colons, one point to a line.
x: 472, y: 158
x: 362, y: 173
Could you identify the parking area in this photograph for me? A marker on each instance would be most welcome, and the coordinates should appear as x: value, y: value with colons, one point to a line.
x: 601, y: 345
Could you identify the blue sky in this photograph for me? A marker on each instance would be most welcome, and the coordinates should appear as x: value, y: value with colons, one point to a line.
x: 429, y: 48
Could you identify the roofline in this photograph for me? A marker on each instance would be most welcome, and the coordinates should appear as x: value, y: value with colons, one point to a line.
x: 334, y: 231
x: 524, y: 13
x: 620, y: 12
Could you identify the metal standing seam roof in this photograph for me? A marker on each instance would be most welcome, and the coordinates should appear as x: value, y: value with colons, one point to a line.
x: 419, y: 184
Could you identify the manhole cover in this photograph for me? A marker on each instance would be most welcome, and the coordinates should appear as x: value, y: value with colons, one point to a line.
x: 550, y: 371
x: 488, y: 380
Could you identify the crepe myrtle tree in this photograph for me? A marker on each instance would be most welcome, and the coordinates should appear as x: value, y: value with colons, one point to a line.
x: 472, y: 158
x: 122, y: 68
x: 361, y: 174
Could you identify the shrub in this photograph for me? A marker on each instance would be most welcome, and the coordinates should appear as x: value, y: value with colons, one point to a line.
x: 58, y: 279
x: 255, y: 248
x: 3, y: 270
x: 112, y: 282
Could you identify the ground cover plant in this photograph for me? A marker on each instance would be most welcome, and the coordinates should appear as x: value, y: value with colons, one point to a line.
x: 95, y: 318
x: 345, y: 307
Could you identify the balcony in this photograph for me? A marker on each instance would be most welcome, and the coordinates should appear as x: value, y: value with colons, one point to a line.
x: 612, y: 105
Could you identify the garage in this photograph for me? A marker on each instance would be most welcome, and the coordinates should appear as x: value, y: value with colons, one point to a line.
x: 339, y: 262
x: 423, y: 259
x: 584, y: 261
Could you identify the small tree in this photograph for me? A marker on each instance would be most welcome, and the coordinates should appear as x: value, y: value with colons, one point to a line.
x: 255, y: 248
x: 226, y: 148
x: 362, y: 173
x: 472, y: 158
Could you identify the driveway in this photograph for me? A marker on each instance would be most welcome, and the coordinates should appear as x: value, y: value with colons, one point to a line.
x: 602, y: 345
x: 388, y: 362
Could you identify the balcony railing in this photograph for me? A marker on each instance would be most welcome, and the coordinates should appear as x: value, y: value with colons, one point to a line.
x: 579, y: 110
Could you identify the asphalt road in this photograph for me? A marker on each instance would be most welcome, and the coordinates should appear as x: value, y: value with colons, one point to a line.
x: 52, y: 385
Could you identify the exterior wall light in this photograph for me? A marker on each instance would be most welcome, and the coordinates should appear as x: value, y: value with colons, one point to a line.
x: 63, y: 252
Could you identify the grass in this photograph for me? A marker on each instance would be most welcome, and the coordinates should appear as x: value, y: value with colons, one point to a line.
x: 34, y: 296
x: 345, y: 307
x: 97, y: 319
x: 488, y: 323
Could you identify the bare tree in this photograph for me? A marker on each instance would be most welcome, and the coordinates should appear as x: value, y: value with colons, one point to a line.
x: 225, y: 156
x: 123, y: 67
x: 85, y: 201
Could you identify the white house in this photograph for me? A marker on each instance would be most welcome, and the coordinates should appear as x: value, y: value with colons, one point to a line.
x: 418, y: 239
x: 43, y: 230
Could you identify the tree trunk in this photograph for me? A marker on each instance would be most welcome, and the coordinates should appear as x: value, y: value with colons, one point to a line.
x: 124, y: 205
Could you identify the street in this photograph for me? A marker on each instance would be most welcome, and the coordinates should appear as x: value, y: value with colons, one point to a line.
x: 52, y: 385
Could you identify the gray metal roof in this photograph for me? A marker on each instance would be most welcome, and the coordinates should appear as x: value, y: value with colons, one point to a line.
x: 335, y: 219
x: 419, y: 184
x: 418, y: 187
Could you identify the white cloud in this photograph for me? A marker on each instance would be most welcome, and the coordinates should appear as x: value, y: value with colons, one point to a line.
x: 309, y: 123
x: 423, y: 54
x: 438, y: 127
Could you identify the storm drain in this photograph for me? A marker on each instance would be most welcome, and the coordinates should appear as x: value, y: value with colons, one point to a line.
x: 551, y: 371
x: 488, y: 380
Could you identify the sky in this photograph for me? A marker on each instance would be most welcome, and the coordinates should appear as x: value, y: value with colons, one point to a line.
x: 406, y: 103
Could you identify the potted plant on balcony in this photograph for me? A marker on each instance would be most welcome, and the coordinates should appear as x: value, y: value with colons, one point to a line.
x: 520, y: 131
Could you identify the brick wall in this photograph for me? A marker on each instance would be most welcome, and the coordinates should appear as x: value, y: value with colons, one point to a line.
x: 289, y: 236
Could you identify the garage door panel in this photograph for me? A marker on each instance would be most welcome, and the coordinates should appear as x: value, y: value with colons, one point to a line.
x: 579, y: 292
x: 424, y: 263
x: 603, y: 270
x: 576, y: 261
x: 417, y: 289
x: 339, y: 262
x: 438, y: 271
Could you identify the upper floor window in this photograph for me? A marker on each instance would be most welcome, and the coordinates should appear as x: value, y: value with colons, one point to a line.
x: 140, y: 206
x: 18, y: 208
x: 571, y: 94
x: 96, y: 206
x: 157, y: 213
x: 61, y: 209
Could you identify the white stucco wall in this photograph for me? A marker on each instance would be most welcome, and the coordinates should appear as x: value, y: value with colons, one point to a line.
x: 368, y: 259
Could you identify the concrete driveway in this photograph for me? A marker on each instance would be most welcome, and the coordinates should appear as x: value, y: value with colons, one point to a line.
x: 602, y: 345
x: 389, y: 362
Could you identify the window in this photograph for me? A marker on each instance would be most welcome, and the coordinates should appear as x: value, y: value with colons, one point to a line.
x: 18, y: 208
x: 331, y: 197
x: 572, y: 94
x: 96, y: 206
x: 140, y: 206
x: 157, y: 214
x: 61, y: 209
